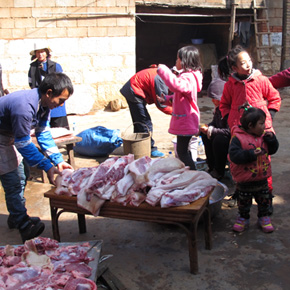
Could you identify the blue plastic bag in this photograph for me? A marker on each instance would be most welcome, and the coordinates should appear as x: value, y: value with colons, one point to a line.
x: 98, y: 141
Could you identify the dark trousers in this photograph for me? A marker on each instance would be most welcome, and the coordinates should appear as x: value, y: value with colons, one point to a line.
x: 141, y: 119
x: 260, y: 192
x: 59, y: 122
x: 183, y: 153
x: 14, y: 183
x: 216, y: 151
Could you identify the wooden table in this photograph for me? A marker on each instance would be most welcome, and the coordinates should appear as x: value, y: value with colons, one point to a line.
x: 186, y: 217
x: 67, y: 141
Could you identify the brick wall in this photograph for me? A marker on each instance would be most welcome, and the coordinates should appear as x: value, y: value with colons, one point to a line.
x: 286, y: 39
x: 96, y: 51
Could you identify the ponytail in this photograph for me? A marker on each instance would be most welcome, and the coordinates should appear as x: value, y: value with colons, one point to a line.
x: 250, y: 115
x: 223, y: 68
x: 227, y: 62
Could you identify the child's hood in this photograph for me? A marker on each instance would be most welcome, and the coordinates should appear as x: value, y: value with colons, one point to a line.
x: 198, y: 77
x: 255, y: 73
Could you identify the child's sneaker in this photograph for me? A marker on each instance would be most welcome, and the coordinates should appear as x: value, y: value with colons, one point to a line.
x: 265, y: 223
x: 240, y: 224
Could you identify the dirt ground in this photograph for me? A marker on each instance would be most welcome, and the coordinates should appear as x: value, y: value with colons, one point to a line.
x: 155, y: 256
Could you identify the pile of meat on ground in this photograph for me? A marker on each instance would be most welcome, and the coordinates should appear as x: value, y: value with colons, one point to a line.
x: 162, y: 181
x: 42, y: 264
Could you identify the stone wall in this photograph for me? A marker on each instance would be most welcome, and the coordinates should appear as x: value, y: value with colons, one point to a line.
x: 275, y: 14
x: 97, y: 51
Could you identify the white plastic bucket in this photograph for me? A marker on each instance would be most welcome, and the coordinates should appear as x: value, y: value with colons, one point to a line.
x: 192, y: 146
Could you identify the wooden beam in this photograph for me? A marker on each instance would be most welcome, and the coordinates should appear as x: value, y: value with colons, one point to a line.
x: 232, y: 24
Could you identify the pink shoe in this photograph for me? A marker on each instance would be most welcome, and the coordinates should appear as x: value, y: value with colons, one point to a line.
x: 240, y: 224
x: 265, y: 223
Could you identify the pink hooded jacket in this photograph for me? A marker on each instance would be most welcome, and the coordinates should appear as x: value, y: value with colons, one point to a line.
x: 185, y: 112
x: 257, y: 90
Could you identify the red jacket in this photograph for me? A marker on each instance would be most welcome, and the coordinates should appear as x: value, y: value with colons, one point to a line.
x: 281, y: 79
x: 256, y: 170
x: 257, y: 90
x: 143, y: 85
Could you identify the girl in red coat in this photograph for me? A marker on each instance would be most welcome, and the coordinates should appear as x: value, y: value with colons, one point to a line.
x: 246, y: 84
x: 250, y: 165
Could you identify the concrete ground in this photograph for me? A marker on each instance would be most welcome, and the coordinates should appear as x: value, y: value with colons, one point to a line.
x: 155, y: 256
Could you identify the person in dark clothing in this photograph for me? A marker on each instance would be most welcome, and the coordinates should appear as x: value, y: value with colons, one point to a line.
x: 216, y: 135
x: 2, y: 90
x: 40, y: 66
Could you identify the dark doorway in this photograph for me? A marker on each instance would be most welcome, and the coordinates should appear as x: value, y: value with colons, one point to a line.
x: 158, y: 37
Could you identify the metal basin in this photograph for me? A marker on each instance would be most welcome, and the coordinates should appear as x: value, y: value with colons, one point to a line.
x: 216, y: 197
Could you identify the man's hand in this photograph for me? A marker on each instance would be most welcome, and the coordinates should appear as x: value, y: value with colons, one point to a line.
x: 50, y: 174
x: 53, y: 170
x: 63, y: 165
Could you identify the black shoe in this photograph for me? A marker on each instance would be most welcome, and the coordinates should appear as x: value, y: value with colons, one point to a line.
x: 216, y: 175
x: 12, y: 225
x: 28, y: 230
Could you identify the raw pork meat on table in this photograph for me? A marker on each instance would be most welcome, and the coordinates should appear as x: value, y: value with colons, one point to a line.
x: 162, y: 181
x: 42, y: 263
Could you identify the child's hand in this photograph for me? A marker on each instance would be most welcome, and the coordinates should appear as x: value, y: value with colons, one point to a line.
x: 268, y: 134
x: 160, y: 99
x: 203, y: 128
